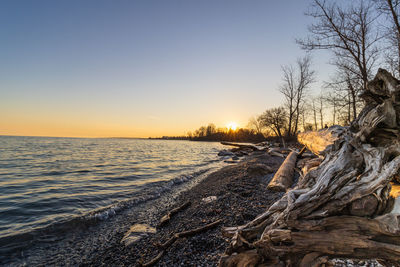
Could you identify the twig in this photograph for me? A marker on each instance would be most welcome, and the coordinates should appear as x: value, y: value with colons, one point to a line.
x: 170, y: 241
x: 166, y: 218
x: 302, y: 151
x: 154, y: 260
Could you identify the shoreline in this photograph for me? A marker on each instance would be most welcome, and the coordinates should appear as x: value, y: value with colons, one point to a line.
x: 241, y: 195
x: 231, y: 195
x: 76, y: 244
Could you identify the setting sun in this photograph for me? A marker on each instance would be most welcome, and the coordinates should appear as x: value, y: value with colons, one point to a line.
x: 232, y: 126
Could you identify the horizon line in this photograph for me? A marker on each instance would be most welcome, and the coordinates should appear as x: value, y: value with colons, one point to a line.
x: 98, y: 137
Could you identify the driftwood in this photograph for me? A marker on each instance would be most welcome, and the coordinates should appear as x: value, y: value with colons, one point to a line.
x: 342, y: 208
x: 242, y: 146
x: 319, y: 141
x: 283, y: 178
x: 165, y: 219
x: 164, y: 246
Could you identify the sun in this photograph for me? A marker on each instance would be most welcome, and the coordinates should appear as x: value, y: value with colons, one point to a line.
x: 232, y: 126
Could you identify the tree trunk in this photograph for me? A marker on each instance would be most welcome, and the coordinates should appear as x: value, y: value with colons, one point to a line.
x: 341, y: 208
x: 334, y: 112
x: 321, y: 115
x: 353, y: 99
x: 315, y: 115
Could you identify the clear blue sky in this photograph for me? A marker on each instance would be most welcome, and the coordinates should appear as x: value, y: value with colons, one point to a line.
x: 143, y: 68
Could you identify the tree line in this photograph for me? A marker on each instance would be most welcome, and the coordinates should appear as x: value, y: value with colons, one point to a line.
x: 212, y: 133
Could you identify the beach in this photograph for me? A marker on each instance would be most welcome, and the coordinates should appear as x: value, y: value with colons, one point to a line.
x: 235, y: 194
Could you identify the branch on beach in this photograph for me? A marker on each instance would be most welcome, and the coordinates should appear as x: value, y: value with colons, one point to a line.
x: 164, y: 246
x: 341, y: 208
x: 166, y: 218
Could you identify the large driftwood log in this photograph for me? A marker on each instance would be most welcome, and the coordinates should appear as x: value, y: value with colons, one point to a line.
x: 319, y: 141
x: 342, y: 207
x: 242, y: 146
x: 283, y: 178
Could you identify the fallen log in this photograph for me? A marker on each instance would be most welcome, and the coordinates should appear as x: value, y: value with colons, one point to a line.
x: 242, y: 146
x: 283, y: 178
x: 342, y: 208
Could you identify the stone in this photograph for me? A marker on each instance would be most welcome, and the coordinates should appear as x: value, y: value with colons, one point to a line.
x: 225, y: 153
x: 137, y: 232
x: 209, y: 199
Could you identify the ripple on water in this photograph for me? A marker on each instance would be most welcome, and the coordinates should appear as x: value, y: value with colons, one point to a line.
x: 49, y: 185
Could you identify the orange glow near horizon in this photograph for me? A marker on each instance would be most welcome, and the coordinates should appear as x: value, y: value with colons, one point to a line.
x: 232, y: 126
x: 59, y: 125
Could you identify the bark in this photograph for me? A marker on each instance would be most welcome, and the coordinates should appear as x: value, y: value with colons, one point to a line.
x: 242, y: 146
x: 167, y: 217
x: 283, y: 178
x: 342, y: 208
x: 318, y: 141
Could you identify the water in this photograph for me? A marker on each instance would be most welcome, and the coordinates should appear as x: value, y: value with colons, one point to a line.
x: 49, y: 184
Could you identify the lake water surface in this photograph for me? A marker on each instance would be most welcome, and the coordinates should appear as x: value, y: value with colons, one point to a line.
x: 48, y: 184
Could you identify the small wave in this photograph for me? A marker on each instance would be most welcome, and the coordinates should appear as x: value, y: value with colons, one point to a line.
x: 53, y: 173
x: 81, y: 171
x: 57, y: 173
x: 51, y: 233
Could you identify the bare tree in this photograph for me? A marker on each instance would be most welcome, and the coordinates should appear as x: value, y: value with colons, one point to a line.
x: 296, y: 81
x: 391, y: 9
x: 332, y: 100
x: 256, y: 123
x: 346, y: 31
x: 343, y: 95
x: 321, y: 110
x: 345, y: 90
x: 314, y: 110
x: 275, y: 119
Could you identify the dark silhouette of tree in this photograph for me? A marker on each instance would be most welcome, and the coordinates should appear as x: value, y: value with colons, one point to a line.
x: 276, y: 120
x: 211, y: 133
x: 210, y: 130
x: 256, y: 124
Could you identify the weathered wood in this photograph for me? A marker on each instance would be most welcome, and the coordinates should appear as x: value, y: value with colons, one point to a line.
x: 310, y: 164
x: 167, y: 217
x: 246, y: 259
x: 242, y: 146
x: 304, y: 148
x: 318, y: 141
x: 283, y: 178
x: 342, y: 207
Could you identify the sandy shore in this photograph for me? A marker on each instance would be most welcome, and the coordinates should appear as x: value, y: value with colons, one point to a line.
x: 241, y: 194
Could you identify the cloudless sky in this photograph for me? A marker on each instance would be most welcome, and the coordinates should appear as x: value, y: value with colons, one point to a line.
x: 144, y: 68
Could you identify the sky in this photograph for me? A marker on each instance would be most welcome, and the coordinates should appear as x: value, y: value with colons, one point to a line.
x: 149, y: 68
